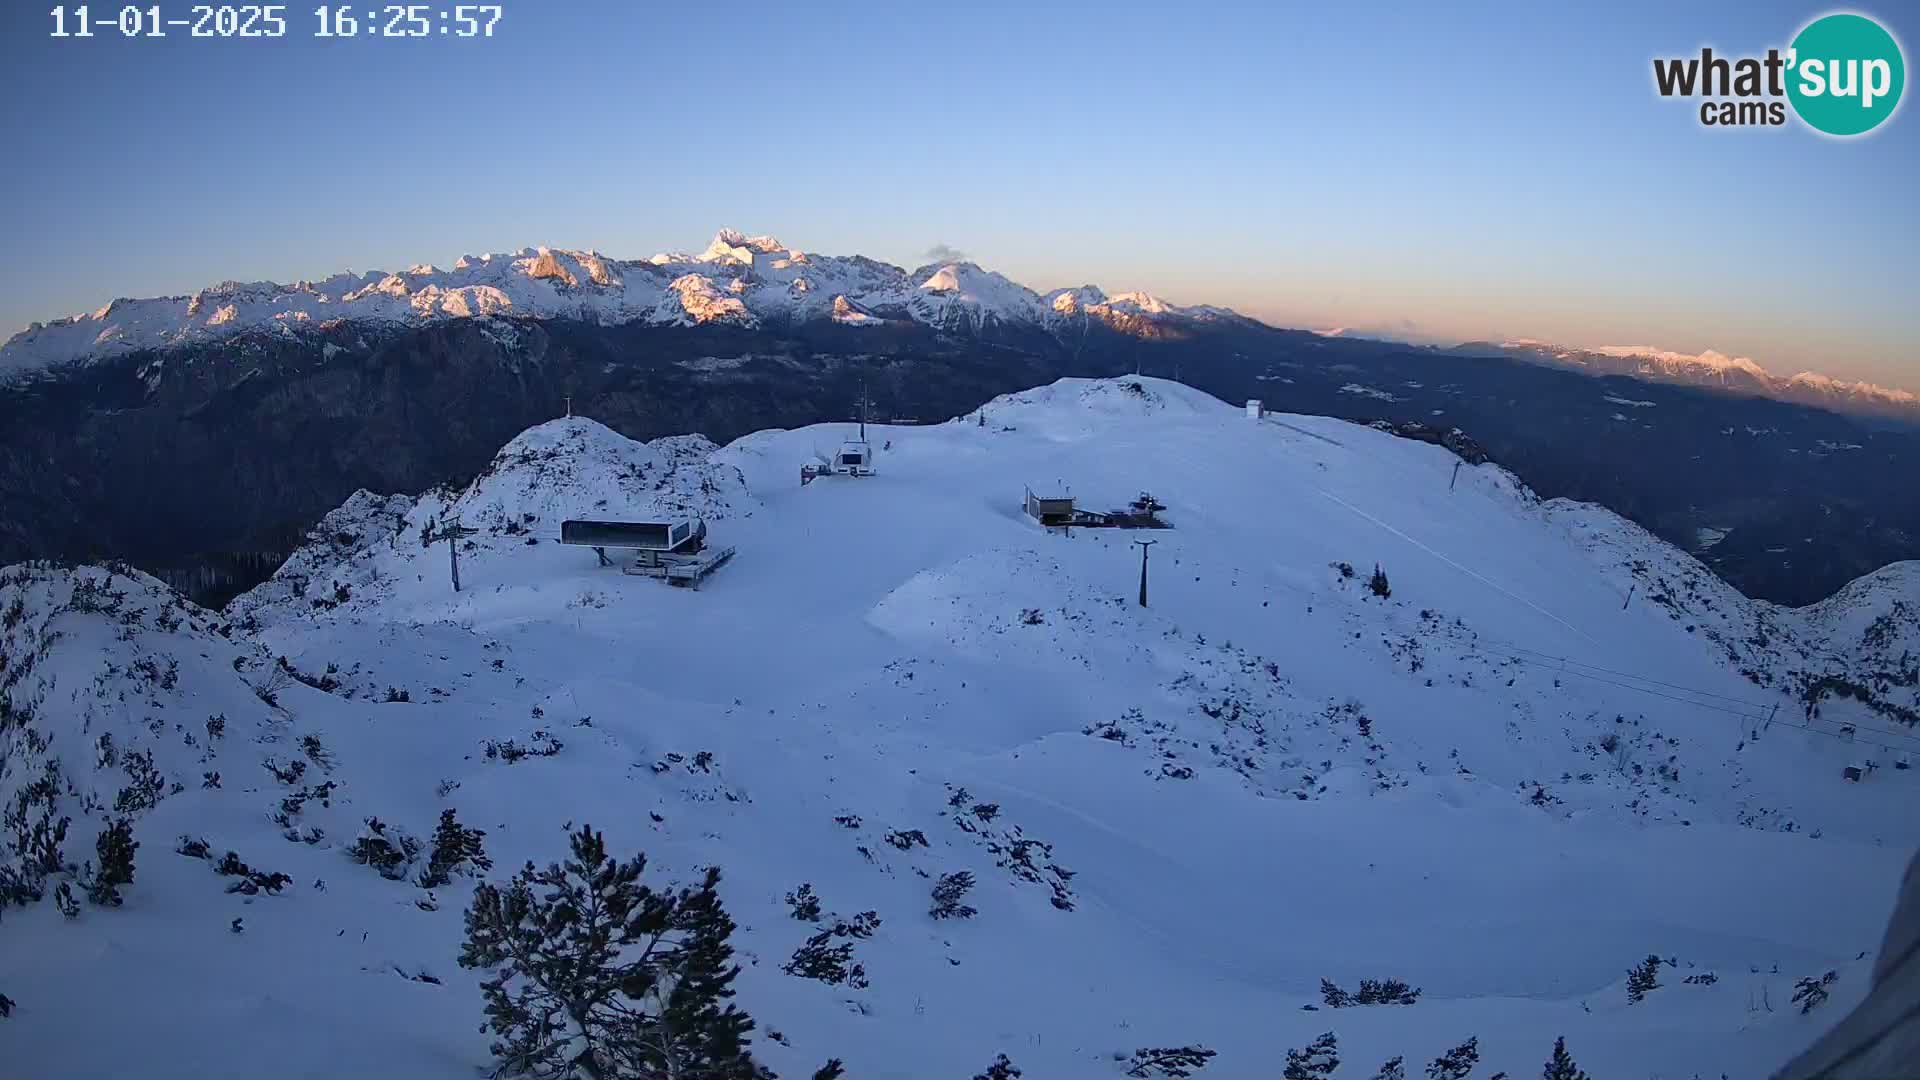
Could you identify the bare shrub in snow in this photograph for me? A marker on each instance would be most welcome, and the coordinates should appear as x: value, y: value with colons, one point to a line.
x: 597, y: 974
x: 1810, y: 993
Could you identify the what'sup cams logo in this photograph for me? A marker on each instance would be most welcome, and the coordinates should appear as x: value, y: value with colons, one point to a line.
x: 1842, y: 76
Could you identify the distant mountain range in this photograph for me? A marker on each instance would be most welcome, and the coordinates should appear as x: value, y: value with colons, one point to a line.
x: 745, y: 282
x: 754, y: 282
x: 1734, y: 374
x: 201, y: 436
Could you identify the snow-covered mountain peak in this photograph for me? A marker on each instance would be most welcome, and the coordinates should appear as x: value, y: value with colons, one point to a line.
x: 1710, y: 359
x: 1074, y: 301
x: 576, y: 467
x: 1145, y: 303
x: 732, y: 245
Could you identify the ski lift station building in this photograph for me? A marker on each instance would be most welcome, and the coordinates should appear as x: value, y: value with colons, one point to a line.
x: 1050, y: 510
x: 854, y: 459
x: 675, y: 549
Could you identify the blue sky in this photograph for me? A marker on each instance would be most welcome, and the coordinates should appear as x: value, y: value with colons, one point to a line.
x: 1445, y: 171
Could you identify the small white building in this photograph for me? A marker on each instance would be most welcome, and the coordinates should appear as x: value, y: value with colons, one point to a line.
x: 854, y: 459
x: 1255, y: 409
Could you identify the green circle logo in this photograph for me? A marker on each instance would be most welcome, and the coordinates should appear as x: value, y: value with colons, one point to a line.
x: 1845, y: 74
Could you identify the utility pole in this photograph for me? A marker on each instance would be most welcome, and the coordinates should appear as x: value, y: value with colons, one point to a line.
x: 453, y: 534
x: 1144, y: 545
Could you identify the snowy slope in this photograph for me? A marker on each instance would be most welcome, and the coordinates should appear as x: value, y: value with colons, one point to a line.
x: 1497, y: 783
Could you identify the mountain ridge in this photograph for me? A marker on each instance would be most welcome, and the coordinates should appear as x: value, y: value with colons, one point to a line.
x: 1712, y: 369
x: 738, y: 280
x: 750, y: 281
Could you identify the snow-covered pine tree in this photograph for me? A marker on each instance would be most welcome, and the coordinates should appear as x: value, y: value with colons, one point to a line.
x: 700, y: 1034
x: 1173, y: 1061
x: 833, y: 964
x: 947, y: 893
x: 1316, y: 1061
x: 804, y: 903
x: 597, y: 975
x: 115, y: 847
x: 454, y: 846
x: 1335, y: 997
x: 386, y: 848
x: 1643, y: 978
x: 1001, y: 1069
x: 1560, y: 1066
x: 1378, y: 583
x: 1394, y: 1069
x: 1457, y: 1063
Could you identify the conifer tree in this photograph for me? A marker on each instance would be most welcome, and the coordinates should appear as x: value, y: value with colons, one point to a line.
x: 1643, y: 978
x: 1457, y: 1063
x: 599, y: 976
x: 114, y: 847
x: 804, y: 903
x: 454, y: 846
x: 947, y: 893
x: 1394, y: 1069
x: 1378, y: 583
x: 1001, y: 1069
x: 1316, y: 1061
x: 1560, y: 1066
